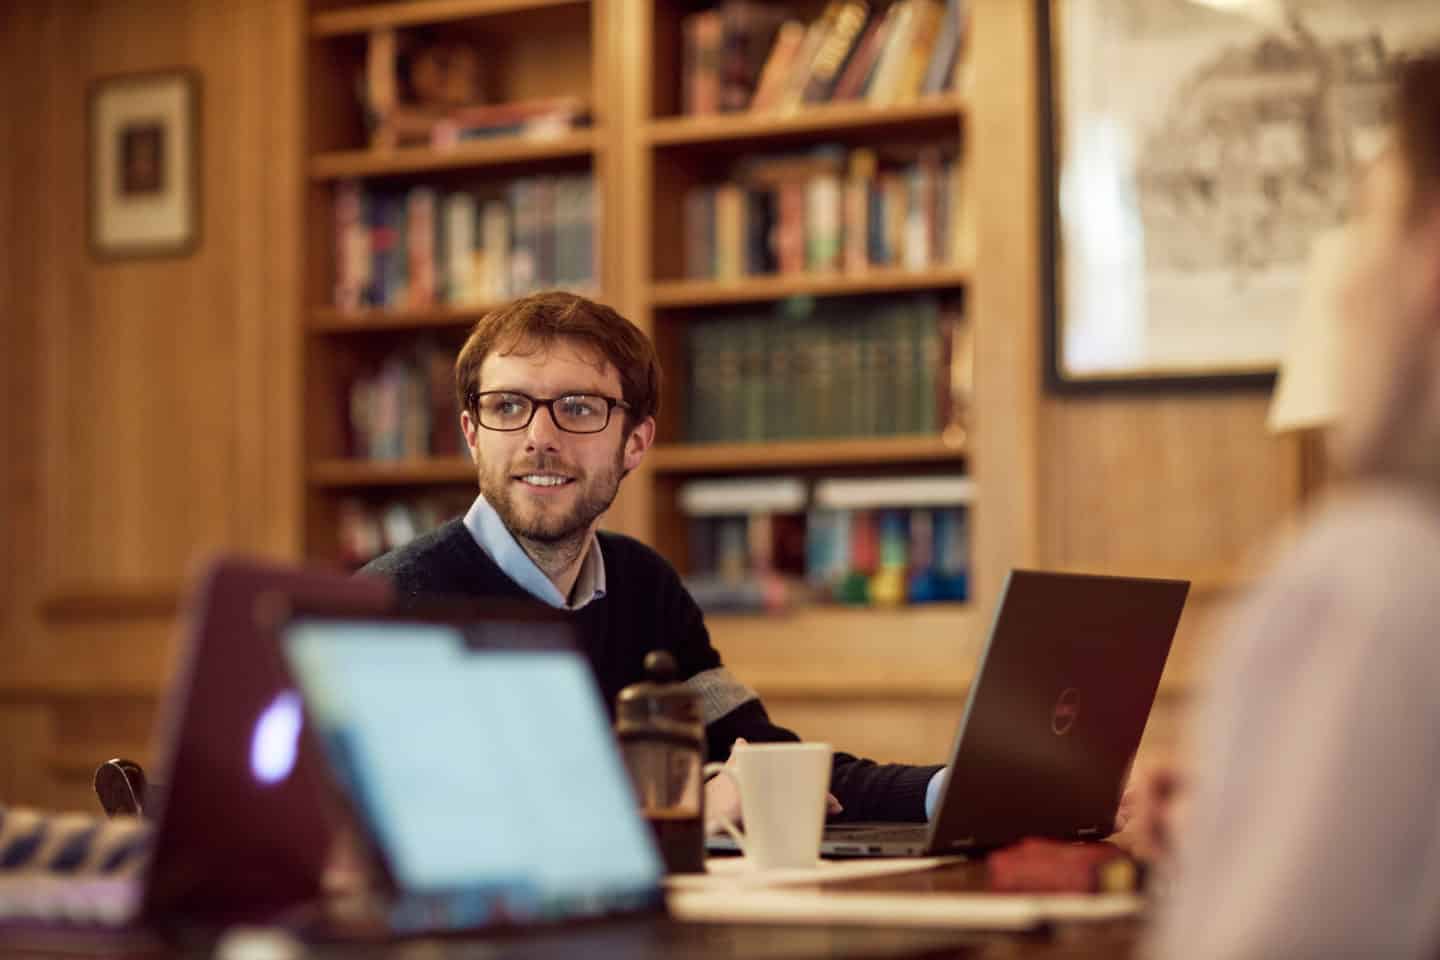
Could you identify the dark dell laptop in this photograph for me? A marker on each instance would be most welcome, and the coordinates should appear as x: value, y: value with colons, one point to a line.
x: 1053, y: 719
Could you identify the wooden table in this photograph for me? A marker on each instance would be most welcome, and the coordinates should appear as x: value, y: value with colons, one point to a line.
x: 660, y: 937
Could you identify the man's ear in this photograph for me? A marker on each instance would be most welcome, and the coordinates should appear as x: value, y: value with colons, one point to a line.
x: 470, y: 428
x: 641, y: 436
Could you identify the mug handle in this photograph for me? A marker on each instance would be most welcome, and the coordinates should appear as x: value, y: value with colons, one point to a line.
x: 728, y: 825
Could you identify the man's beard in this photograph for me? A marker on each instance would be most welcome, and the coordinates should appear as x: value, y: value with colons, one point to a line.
x: 554, y: 530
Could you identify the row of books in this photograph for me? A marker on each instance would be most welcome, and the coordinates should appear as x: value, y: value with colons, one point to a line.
x: 366, y: 529
x: 400, y: 113
x: 856, y: 542
x: 421, y: 248
x: 829, y: 368
x: 825, y: 211
x: 405, y: 407
x: 746, y: 55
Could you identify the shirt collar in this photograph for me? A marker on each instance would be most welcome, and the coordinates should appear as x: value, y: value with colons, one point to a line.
x: 499, y: 543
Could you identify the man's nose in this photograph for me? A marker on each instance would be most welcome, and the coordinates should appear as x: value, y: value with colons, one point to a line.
x: 543, y: 431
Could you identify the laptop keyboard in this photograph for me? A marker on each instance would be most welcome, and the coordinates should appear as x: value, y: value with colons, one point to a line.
x: 880, y: 834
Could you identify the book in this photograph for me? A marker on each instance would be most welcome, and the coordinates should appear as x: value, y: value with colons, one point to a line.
x: 748, y: 33
x: 871, y: 493
x: 778, y: 64
x: 704, y: 36
x: 926, y: 28
x: 854, y: 78
x: 742, y: 496
x: 835, y: 48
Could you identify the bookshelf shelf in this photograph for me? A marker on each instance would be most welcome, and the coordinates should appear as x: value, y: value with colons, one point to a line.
x: 339, y: 474
x: 701, y: 293
x: 329, y: 320
x: 340, y: 22
x: 730, y: 458
x: 816, y: 120
x: 502, y: 151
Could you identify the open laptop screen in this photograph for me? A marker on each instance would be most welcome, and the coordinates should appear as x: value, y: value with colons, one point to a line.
x: 482, y: 762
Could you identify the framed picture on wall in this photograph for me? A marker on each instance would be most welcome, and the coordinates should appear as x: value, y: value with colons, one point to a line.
x: 1193, y: 149
x: 144, y: 165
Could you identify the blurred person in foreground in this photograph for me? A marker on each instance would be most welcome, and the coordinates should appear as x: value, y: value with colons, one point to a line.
x: 1312, y: 818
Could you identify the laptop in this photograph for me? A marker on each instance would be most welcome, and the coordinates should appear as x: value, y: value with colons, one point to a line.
x: 478, y: 758
x: 1053, y: 719
x: 243, y: 816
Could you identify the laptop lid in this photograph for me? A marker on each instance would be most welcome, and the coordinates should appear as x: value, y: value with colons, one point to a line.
x: 244, y: 815
x: 1057, y: 708
x: 479, y: 758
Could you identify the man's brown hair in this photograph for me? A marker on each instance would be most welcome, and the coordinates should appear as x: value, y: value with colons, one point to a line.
x: 535, y: 322
x: 1417, y: 124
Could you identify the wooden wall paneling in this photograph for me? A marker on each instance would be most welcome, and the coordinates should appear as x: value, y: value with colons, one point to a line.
x: 150, y: 402
x: 1168, y: 486
x: 27, y: 737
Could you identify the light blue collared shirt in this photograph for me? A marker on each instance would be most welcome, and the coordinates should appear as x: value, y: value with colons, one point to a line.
x: 500, y: 545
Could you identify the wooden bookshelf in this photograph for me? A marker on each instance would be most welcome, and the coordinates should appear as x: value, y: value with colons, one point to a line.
x: 345, y: 474
x: 725, y: 458
x: 814, y: 121
x: 502, y: 151
x: 704, y: 293
x: 340, y: 22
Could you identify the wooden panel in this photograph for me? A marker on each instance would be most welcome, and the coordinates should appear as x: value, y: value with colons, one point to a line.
x: 336, y: 22
x: 148, y: 404
x: 1164, y: 486
x: 815, y: 119
x: 27, y: 738
x: 704, y: 293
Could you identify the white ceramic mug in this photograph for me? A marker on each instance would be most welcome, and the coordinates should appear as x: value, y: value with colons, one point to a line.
x: 783, y: 791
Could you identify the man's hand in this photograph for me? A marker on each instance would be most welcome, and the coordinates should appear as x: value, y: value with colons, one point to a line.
x: 1151, y: 811
x: 722, y: 796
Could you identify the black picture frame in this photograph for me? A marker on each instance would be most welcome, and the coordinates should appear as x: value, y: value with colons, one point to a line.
x: 144, y: 154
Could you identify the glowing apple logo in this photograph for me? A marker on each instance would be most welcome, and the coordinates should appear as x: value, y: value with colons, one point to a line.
x: 276, y: 739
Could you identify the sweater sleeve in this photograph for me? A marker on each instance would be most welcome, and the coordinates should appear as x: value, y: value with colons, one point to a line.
x: 866, y: 789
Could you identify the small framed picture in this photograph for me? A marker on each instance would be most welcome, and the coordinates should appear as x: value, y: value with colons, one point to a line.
x: 144, y: 165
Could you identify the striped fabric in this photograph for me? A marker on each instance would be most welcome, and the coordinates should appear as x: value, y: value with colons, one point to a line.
x: 71, y: 843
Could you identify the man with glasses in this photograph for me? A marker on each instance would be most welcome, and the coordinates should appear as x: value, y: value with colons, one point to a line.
x: 558, y: 397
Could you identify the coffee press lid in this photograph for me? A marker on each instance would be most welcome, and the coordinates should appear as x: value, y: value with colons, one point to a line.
x: 658, y: 703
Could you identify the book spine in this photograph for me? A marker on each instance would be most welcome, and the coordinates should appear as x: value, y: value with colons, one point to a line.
x: 495, y: 235
x: 460, y: 281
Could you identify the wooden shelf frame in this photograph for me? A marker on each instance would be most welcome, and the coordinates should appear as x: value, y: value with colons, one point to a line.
x: 501, y: 151
x: 817, y: 120
x: 377, y: 320
x: 728, y: 458
x: 335, y: 23
x: 704, y: 293
x: 342, y: 474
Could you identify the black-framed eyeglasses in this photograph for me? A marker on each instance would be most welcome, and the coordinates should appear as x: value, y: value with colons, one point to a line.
x: 574, y: 413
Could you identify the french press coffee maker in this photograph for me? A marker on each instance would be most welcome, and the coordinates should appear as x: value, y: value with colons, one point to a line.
x: 663, y: 742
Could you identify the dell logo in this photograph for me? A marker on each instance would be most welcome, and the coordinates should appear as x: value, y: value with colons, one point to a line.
x: 1067, y: 711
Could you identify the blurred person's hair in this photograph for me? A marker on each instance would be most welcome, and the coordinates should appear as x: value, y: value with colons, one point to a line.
x: 533, y: 323
x: 1417, y: 125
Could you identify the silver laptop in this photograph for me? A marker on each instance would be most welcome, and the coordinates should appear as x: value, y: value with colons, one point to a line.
x: 1053, y: 719
x: 478, y: 759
